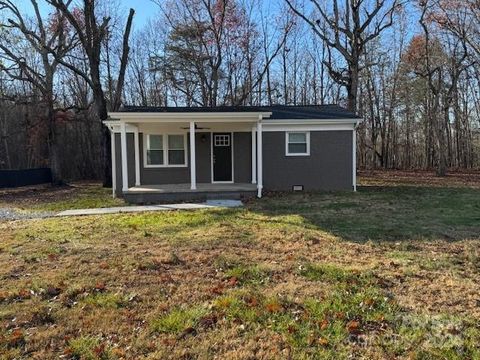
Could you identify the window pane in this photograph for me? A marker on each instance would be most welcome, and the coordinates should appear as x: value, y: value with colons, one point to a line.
x: 297, y: 138
x: 155, y: 157
x: 297, y: 148
x: 176, y: 157
x: 156, y: 142
x: 175, y: 142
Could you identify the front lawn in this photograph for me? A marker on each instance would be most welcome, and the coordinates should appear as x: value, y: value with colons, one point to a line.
x: 389, y: 272
x: 48, y: 198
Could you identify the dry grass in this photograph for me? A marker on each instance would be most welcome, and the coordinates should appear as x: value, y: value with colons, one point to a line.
x: 456, y: 178
x: 265, y: 282
x: 45, y: 197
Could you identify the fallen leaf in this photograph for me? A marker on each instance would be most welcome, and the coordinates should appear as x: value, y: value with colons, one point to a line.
x: 252, y: 301
x: 16, y: 338
x: 100, y: 286
x: 353, y: 326
x: 291, y: 329
x: 188, y: 331
x: 273, y: 307
x: 99, y: 350
x: 52, y: 257
x: 324, y: 324
x: 232, y: 281
x: 340, y: 315
x: 218, y: 290
x: 322, y: 341
x: 208, y: 321
x: 119, y: 353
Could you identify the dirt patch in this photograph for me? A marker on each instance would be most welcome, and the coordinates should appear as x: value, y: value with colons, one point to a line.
x: 454, y: 178
x: 32, y: 195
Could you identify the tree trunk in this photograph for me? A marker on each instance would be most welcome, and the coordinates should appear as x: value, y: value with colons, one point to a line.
x: 442, y: 148
x: 101, y: 107
x: 52, y: 144
x: 352, y: 87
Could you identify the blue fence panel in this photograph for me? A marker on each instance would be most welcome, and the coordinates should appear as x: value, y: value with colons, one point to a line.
x: 16, y: 178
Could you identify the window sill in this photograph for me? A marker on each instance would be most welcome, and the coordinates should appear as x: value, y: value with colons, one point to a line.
x: 164, y: 166
x: 306, y: 154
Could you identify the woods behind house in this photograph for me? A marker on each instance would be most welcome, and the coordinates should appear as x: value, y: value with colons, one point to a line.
x: 411, y: 69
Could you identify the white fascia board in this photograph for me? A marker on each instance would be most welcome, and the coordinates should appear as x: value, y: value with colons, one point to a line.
x: 114, y: 126
x: 310, y: 125
x: 188, y: 116
x: 311, y: 121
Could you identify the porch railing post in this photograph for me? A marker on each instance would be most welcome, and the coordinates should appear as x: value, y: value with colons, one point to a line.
x: 123, y: 146
x: 114, y: 163
x: 354, y: 158
x: 137, y: 157
x: 254, y: 155
x: 193, y: 175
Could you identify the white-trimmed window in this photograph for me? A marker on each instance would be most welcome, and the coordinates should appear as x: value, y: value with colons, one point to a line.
x: 222, y: 140
x: 297, y: 143
x: 164, y: 150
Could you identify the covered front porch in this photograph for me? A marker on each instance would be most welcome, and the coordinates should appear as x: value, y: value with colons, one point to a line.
x: 181, y: 192
x: 177, y: 156
x: 176, y: 188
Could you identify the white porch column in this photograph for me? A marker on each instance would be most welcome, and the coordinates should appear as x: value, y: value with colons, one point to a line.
x: 123, y: 147
x: 137, y: 156
x: 254, y: 155
x: 193, y: 165
x: 354, y: 157
x: 260, y: 157
x: 114, y: 163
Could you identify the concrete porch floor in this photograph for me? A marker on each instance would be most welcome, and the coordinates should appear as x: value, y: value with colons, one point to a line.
x: 185, y: 188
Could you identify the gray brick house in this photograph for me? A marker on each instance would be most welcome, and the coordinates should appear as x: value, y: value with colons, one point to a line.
x: 180, y: 153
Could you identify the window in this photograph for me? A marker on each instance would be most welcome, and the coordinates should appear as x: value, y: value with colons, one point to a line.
x: 297, y: 143
x: 176, y: 150
x: 165, y: 150
x: 222, y: 140
x: 155, y: 150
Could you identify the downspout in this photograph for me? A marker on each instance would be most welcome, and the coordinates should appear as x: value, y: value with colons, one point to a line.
x: 114, y: 162
x: 260, y: 157
x: 354, y: 156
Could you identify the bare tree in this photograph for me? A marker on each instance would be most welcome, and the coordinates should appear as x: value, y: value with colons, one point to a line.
x: 40, y: 35
x: 347, y: 30
x: 91, y: 32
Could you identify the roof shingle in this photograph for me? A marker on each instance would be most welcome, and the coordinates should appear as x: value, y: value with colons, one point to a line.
x: 279, y: 112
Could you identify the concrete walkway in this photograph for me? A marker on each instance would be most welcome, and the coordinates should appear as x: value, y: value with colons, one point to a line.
x: 210, y: 204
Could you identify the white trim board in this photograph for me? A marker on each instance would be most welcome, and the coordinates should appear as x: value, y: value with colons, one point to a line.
x: 314, y: 127
x: 187, y: 116
x: 307, y: 142
x: 267, y: 127
x: 311, y: 121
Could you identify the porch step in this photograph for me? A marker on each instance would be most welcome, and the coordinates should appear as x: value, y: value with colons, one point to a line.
x: 224, y: 196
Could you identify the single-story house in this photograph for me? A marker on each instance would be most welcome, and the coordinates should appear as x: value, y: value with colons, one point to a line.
x: 192, y: 153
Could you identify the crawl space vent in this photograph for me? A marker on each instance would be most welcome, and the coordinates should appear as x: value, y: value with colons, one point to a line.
x: 297, y: 187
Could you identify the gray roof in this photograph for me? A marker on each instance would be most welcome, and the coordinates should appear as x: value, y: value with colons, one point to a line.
x: 278, y: 111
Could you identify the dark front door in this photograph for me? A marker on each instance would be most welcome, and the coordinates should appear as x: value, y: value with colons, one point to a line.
x: 222, y: 157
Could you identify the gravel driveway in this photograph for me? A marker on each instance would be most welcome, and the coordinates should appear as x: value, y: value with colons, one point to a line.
x: 12, y: 214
